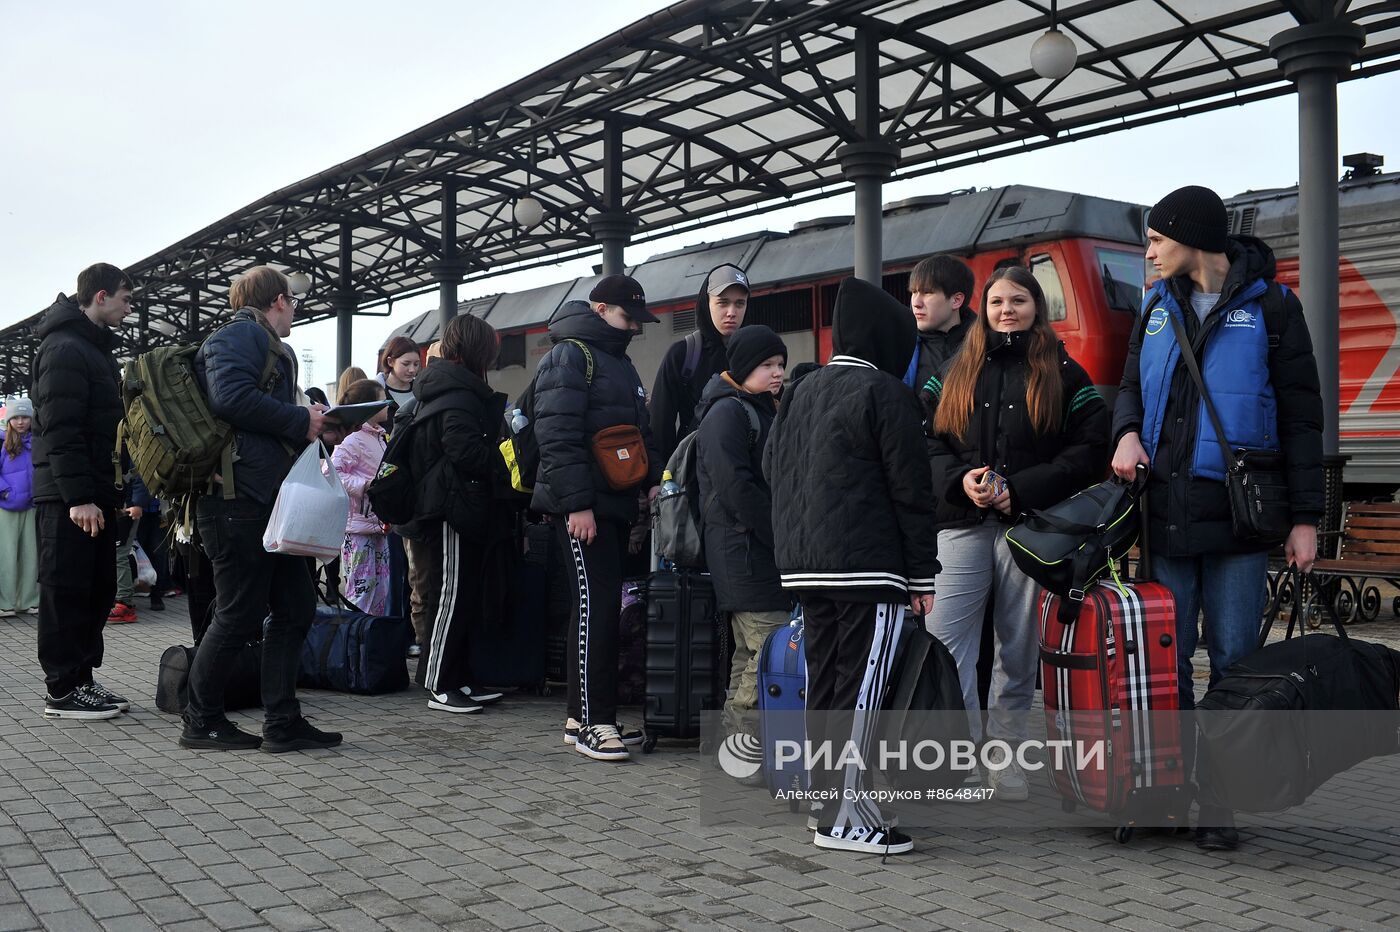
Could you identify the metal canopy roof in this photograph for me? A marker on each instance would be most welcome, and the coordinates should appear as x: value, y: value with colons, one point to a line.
x: 723, y: 108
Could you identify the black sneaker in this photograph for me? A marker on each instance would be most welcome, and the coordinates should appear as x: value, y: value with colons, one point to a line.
x: 482, y: 696
x: 301, y: 735
x: 864, y: 840
x: 80, y: 704
x: 157, y: 602
x: 103, y: 694
x: 628, y: 735
x: 1217, y: 838
x: 221, y: 736
x: 453, y: 701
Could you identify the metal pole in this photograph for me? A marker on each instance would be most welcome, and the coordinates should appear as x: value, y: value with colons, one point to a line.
x: 614, y: 227
x: 867, y: 163
x: 192, y: 314
x: 345, y: 302
x: 448, y: 270
x: 1313, y: 56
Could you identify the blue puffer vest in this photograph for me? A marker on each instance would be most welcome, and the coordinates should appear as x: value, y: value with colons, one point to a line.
x: 1235, y: 367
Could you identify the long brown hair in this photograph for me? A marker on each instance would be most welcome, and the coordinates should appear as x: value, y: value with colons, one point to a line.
x: 397, y: 347
x: 14, y: 440
x: 1044, y: 389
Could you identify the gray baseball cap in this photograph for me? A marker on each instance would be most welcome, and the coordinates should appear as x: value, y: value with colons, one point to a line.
x: 724, y: 276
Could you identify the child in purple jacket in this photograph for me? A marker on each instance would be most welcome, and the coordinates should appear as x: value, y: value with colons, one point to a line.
x: 19, y: 550
x: 364, y: 558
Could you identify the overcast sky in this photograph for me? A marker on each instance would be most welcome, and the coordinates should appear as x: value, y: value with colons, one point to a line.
x: 127, y: 126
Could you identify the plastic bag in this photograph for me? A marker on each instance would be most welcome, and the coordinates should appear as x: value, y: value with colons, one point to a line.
x: 145, y: 570
x: 311, y: 511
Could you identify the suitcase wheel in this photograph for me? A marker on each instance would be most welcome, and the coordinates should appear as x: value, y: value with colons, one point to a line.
x: 1123, y: 834
x: 649, y: 744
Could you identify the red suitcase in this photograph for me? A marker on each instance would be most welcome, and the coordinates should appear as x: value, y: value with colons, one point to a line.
x: 1110, y: 677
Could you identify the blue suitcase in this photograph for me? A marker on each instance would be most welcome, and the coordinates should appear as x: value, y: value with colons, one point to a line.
x: 782, y: 702
x: 351, y: 652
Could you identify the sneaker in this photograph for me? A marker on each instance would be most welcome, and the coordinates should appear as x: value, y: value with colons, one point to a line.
x: 121, y: 614
x: 974, y: 778
x: 415, y: 650
x: 103, y: 694
x: 481, y: 696
x: 222, y: 736
x: 32, y: 611
x: 627, y: 735
x: 1008, y: 783
x: 6, y: 613
x: 452, y: 701
x: 881, y: 840
x: 601, y: 742
x: 1217, y: 838
x: 157, y: 602
x: 301, y: 735
x: 174, y: 591
x: 79, y: 704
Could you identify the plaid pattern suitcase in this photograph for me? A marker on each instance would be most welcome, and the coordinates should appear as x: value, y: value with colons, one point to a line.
x: 1111, y: 676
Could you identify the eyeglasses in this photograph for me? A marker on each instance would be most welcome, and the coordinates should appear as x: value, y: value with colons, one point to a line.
x: 294, y: 301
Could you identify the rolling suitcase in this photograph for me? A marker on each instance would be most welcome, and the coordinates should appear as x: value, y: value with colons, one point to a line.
x: 686, y: 643
x: 782, y: 702
x: 1111, y: 682
x: 632, y: 645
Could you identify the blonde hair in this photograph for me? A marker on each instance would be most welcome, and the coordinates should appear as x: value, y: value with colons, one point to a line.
x: 258, y: 288
x: 349, y: 377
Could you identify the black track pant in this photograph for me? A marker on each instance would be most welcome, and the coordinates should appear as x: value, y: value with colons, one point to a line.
x: 77, y: 586
x: 850, y: 661
x: 596, y: 580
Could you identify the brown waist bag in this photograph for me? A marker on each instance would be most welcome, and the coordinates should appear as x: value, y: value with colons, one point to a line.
x: 621, y: 455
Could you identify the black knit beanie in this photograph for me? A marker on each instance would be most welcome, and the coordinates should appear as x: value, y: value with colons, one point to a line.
x: 1193, y: 216
x: 750, y: 346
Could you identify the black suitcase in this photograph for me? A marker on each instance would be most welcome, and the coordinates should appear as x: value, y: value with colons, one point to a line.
x: 1267, y: 762
x: 686, y: 647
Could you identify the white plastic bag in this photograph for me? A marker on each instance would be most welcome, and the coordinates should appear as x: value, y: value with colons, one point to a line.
x: 145, y: 570
x: 311, y: 511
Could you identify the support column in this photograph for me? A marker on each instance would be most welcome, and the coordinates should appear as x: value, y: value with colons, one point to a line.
x: 344, y: 300
x: 866, y: 164
x: 143, y: 326
x: 448, y: 274
x: 1313, y: 57
x: 192, y: 314
x: 613, y: 228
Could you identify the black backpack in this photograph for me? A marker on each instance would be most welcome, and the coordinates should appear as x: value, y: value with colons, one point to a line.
x: 395, y: 492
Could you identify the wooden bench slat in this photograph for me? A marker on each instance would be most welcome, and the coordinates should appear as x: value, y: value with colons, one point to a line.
x: 1391, y: 525
x: 1360, y: 547
x: 1359, y: 566
x: 1373, y: 508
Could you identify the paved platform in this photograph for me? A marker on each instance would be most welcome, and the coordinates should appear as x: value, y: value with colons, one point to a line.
x: 428, y: 821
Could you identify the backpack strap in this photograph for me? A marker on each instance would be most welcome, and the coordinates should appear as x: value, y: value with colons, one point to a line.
x: 588, y: 358
x: 694, y: 343
x: 1273, y: 306
x: 754, y: 427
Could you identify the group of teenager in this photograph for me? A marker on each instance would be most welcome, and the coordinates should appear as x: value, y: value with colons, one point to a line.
x: 858, y: 488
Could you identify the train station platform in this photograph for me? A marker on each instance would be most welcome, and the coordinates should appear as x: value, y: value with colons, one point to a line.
x: 423, y: 820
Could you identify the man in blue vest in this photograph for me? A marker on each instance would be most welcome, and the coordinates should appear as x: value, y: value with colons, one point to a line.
x: 1256, y: 359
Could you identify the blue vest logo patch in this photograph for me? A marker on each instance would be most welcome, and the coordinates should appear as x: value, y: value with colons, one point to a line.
x: 1240, y: 317
x: 1156, y: 321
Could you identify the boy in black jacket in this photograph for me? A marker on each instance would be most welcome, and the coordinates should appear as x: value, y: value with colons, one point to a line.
x: 854, y: 535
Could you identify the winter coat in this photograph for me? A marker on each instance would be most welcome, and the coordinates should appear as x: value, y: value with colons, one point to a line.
x: 17, y: 476
x: 1040, y: 470
x: 1189, y: 516
x: 455, y: 453
x: 852, y: 504
x: 675, y: 399
x: 269, y: 426
x: 356, y: 460
x: 77, y: 406
x: 568, y: 412
x: 735, y: 502
x: 937, y: 349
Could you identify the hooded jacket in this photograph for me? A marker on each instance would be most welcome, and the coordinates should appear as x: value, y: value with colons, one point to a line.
x: 568, y: 411
x: 269, y: 426
x: 735, y: 501
x: 937, y: 348
x: 461, y: 422
x: 1039, y: 469
x: 77, y: 406
x: 356, y: 460
x: 1189, y: 515
x: 852, y: 503
x: 674, y: 399
x: 17, y: 476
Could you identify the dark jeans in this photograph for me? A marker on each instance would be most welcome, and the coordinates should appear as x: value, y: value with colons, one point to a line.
x: 77, y: 584
x: 249, y: 583
x: 596, y: 580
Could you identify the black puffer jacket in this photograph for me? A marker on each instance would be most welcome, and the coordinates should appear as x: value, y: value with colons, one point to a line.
x: 852, y: 503
x: 1040, y: 470
x: 455, y: 449
x: 77, y: 406
x: 674, y: 399
x: 269, y: 426
x: 938, y: 348
x: 735, y: 500
x: 1189, y: 516
x: 568, y: 412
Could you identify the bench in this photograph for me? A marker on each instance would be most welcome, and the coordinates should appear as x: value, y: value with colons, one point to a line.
x: 1368, y: 551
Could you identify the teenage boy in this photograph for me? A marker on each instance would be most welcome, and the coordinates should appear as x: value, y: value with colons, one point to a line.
x: 940, y: 295
x: 77, y: 406
x: 854, y: 537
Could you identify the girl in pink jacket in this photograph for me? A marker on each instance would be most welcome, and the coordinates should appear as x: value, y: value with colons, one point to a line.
x: 364, y: 558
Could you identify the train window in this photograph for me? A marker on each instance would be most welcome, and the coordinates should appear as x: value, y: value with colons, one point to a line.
x: 1043, y: 268
x: 784, y: 311
x: 512, y: 350
x: 1124, y: 277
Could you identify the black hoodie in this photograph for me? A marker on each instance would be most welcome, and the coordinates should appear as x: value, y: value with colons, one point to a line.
x: 77, y: 406
x: 569, y: 410
x: 460, y: 421
x: 1190, y: 516
x: 673, y: 397
x: 936, y: 348
x: 852, y: 493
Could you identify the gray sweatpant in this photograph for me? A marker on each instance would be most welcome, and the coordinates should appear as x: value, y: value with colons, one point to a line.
x: 976, y: 563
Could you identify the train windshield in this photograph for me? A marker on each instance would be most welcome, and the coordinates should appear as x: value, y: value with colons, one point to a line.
x: 1124, y: 278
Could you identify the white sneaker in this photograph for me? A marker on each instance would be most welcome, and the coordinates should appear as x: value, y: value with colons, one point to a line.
x: 6, y: 613
x: 1008, y: 783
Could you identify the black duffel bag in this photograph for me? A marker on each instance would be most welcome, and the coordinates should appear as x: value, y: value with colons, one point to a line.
x: 243, y: 690
x: 1269, y: 730
x: 924, y: 703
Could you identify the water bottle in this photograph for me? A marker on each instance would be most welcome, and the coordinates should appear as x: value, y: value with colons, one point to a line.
x: 518, y: 420
x: 668, y: 484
